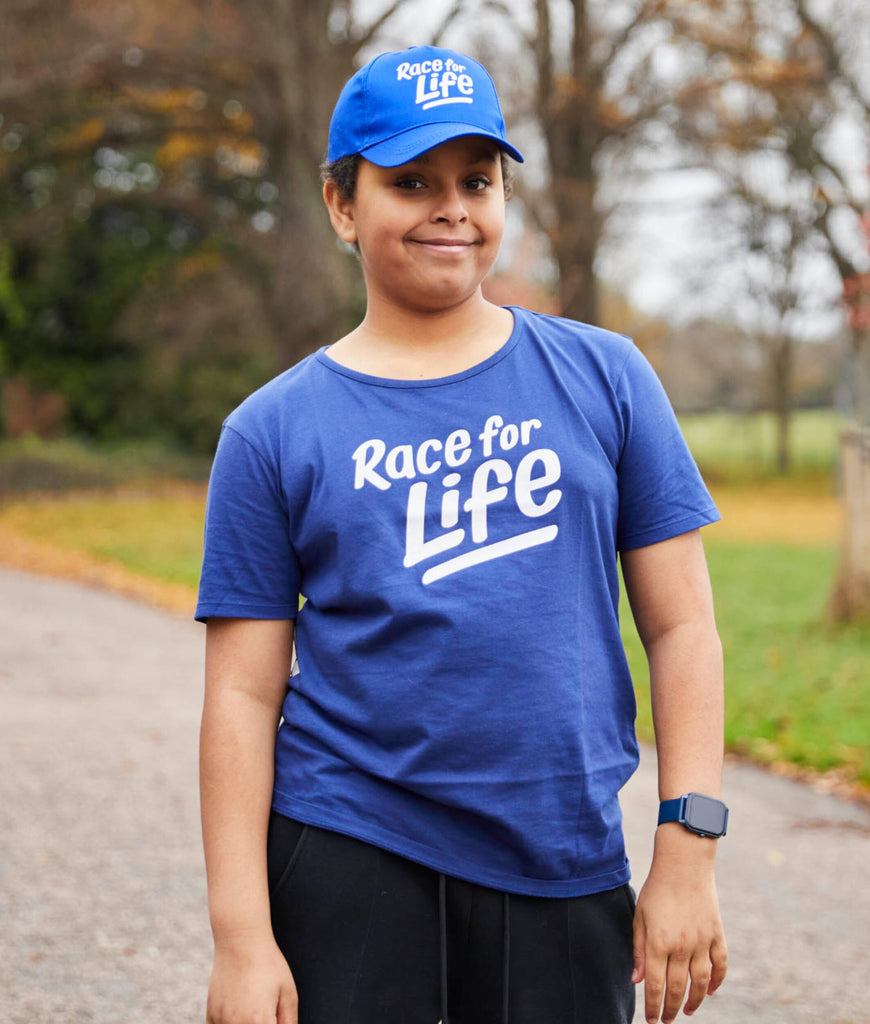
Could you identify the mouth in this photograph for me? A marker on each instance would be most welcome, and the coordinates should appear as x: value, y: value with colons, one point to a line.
x: 450, y: 246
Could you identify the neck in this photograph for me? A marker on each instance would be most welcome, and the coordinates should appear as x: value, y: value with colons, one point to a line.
x: 398, y: 342
x: 436, y: 329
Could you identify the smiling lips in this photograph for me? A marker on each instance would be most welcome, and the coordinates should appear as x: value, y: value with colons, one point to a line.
x: 451, y: 246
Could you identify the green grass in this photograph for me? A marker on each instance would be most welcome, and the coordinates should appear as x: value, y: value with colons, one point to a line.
x: 731, y: 446
x: 32, y: 465
x: 797, y: 687
x: 157, y: 537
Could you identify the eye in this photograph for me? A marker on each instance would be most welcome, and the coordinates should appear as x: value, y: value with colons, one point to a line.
x: 479, y: 183
x: 409, y: 184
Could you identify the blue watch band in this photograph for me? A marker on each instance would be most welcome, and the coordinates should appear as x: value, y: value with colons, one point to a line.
x: 672, y: 810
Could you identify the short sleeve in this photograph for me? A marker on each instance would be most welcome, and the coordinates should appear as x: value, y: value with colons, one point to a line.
x: 661, y: 492
x: 249, y: 567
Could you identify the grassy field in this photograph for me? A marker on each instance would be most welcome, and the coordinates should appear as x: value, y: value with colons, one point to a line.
x: 798, y: 688
x: 735, y: 447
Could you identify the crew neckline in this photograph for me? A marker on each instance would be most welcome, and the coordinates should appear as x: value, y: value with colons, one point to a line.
x: 428, y: 382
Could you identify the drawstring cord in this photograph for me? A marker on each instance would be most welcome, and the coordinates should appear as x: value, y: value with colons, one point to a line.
x: 506, y: 949
x: 506, y: 962
x: 442, y: 921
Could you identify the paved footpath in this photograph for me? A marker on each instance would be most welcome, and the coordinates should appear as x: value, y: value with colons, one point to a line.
x: 102, y: 894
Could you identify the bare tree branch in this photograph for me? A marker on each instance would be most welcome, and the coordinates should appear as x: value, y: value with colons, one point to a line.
x: 543, y: 51
x: 499, y: 7
x: 454, y: 12
x: 647, y: 10
x: 375, y: 27
x: 833, y: 57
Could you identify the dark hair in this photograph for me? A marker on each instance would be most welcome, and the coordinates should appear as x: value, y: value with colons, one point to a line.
x: 343, y: 173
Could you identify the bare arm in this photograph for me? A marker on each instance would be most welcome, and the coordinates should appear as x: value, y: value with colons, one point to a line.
x: 246, y: 669
x: 678, y: 930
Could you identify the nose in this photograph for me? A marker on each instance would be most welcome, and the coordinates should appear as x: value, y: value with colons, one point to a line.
x: 450, y: 207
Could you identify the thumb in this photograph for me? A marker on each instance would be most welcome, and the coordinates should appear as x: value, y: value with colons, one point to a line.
x: 639, y: 948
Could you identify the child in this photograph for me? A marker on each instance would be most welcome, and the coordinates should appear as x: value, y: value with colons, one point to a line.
x: 436, y: 831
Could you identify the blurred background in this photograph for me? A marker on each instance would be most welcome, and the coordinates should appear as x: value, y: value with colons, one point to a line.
x: 696, y: 177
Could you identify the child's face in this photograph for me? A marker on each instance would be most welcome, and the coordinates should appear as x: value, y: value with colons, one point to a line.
x: 428, y: 231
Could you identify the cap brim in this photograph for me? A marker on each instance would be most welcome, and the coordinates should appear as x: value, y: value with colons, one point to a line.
x: 418, y: 140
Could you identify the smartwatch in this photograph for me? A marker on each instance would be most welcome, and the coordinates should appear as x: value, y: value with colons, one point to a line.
x: 702, y: 815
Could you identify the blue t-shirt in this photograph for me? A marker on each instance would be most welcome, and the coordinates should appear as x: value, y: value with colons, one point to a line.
x: 462, y: 695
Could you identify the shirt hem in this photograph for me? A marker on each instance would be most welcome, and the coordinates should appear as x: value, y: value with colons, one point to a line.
x: 518, y: 885
x: 234, y: 611
x: 671, y: 529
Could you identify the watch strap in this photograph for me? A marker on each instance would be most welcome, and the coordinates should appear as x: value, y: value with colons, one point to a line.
x: 672, y: 810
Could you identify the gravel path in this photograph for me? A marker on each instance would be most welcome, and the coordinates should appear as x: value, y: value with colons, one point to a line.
x: 102, y: 893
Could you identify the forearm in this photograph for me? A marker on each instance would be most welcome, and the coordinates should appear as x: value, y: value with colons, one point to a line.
x: 678, y: 935
x: 687, y: 698
x: 688, y: 708
x: 237, y: 746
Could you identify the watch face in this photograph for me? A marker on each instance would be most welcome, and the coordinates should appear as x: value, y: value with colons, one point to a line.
x: 704, y: 814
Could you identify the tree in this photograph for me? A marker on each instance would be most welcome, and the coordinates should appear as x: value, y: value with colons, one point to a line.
x: 622, y: 91
x: 765, y: 263
x: 851, y: 595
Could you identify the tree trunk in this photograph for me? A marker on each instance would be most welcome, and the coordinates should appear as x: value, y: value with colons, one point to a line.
x: 851, y: 598
x: 568, y: 112
x: 781, y: 365
x: 310, y: 290
x: 575, y: 241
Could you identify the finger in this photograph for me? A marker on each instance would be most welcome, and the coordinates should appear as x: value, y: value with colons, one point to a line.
x: 639, y: 948
x: 654, y: 985
x: 677, y: 979
x: 719, y: 958
x: 288, y: 1006
x: 700, y: 972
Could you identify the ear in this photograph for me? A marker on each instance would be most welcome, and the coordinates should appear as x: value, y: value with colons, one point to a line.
x: 340, y: 213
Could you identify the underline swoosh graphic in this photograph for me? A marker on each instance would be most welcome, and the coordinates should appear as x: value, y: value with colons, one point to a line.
x: 489, y: 551
x: 450, y: 99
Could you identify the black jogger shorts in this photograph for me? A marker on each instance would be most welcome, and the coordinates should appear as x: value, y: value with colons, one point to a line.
x: 374, y: 938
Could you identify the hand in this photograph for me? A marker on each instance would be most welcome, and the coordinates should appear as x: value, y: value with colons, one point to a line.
x: 678, y: 936
x: 251, y: 984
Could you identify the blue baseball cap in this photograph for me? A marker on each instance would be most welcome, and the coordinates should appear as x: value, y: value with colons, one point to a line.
x: 405, y: 102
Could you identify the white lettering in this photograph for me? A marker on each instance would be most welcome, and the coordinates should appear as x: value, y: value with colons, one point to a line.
x: 400, y: 462
x: 437, y: 64
x: 422, y: 465
x: 365, y: 467
x: 450, y: 501
x: 417, y: 548
x: 525, y: 483
x: 448, y: 79
x: 526, y: 429
x: 481, y: 497
x: 531, y: 486
x: 456, y: 448
x: 465, y: 84
x: 508, y: 438
x: 402, y: 71
x: 490, y: 429
x: 422, y: 95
